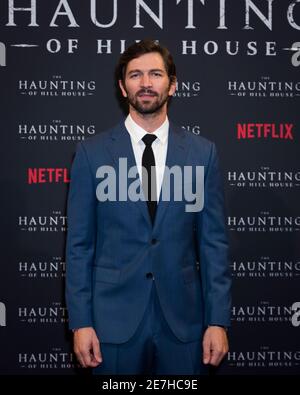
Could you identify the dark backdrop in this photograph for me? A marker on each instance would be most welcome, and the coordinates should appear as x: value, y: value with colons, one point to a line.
x: 238, y: 85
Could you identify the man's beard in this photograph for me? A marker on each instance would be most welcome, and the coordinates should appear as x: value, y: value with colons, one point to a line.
x: 146, y: 107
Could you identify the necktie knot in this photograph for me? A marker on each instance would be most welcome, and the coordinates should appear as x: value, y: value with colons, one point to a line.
x: 148, y: 139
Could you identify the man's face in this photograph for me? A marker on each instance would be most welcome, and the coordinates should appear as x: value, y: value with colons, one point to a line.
x: 146, y: 84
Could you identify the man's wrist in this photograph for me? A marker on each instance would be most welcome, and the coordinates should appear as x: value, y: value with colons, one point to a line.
x: 220, y: 326
x: 82, y: 327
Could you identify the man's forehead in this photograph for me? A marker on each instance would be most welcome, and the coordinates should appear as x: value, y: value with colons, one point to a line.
x: 147, y: 61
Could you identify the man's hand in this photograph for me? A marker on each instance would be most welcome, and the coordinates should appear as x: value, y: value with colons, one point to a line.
x: 215, y: 345
x: 87, y: 347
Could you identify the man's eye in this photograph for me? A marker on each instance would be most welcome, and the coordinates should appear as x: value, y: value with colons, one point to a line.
x: 156, y: 74
x: 135, y: 75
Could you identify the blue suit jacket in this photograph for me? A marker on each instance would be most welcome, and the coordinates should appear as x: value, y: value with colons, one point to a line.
x: 112, y: 245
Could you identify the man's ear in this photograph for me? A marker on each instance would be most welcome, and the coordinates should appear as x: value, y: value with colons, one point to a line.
x: 123, y: 90
x: 172, y: 88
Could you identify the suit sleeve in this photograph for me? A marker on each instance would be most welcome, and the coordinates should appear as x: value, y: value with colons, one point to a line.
x: 81, y: 239
x: 213, y: 247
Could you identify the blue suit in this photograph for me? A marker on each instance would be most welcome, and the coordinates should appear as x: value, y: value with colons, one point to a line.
x: 113, y: 249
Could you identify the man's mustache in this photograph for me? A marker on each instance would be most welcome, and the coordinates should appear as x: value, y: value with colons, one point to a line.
x: 146, y: 92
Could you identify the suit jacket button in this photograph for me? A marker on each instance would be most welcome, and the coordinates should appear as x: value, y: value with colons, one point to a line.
x: 153, y: 241
x: 149, y: 275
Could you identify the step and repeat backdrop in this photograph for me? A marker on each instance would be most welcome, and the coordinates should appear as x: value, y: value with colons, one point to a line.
x: 238, y: 67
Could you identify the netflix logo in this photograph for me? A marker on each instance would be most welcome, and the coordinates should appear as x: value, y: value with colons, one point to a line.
x: 282, y: 131
x: 40, y: 175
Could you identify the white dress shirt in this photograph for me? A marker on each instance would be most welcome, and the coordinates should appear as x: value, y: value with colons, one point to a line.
x: 159, y: 147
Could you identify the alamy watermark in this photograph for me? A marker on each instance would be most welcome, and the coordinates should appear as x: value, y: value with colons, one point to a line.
x: 2, y: 54
x: 179, y: 184
x: 2, y: 314
x: 296, y: 315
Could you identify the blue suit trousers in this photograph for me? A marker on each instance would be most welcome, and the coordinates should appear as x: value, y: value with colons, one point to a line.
x: 153, y: 349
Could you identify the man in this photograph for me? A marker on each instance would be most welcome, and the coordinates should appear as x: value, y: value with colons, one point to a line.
x: 148, y: 287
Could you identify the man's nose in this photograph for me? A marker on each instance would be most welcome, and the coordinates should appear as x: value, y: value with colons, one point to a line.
x: 146, y: 81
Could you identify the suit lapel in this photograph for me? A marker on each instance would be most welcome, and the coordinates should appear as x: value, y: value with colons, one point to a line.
x: 176, y: 154
x: 120, y: 147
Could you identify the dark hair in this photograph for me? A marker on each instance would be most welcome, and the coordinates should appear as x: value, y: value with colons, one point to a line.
x: 141, y: 48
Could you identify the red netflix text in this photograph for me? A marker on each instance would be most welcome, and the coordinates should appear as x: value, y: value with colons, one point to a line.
x: 265, y: 131
x: 50, y: 175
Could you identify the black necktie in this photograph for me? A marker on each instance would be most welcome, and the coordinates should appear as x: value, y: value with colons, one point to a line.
x: 149, y: 181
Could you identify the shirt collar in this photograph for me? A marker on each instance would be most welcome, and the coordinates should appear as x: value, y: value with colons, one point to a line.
x: 137, y: 132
